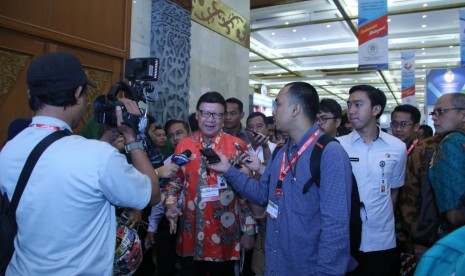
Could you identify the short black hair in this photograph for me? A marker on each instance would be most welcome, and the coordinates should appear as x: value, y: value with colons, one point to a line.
x: 257, y: 114
x: 427, y: 131
x: 415, y: 114
x: 330, y: 105
x: 240, y: 105
x: 174, y: 121
x: 61, y: 99
x: 376, y: 96
x: 211, y: 97
x: 193, y: 123
x: 305, y: 94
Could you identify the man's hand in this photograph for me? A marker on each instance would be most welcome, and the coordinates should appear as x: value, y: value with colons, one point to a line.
x: 172, y: 213
x: 261, y: 140
x: 167, y: 170
x: 253, y: 165
x: 134, y: 217
x: 131, y: 107
x: 247, y: 242
x: 149, y: 240
x: 221, y: 166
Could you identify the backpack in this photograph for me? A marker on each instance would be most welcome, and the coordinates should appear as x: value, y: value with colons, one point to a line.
x: 446, y: 257
x: 355, y: 227
x: 432, y: 225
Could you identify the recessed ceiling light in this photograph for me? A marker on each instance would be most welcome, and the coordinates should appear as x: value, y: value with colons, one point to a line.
x: 286, y: 23
x: 422, y: 49
x: 425, y: 5
x: 424, y: 65
x: 135, y: 2
x: 273, y: 33
x: 422, y: 42
x: 422, y: 78
x: 295, y: 30
x: 304, y: 38
x: 424, y: 16
x: 255, y: 66
x: 389, y: 20
x: 328, y: 26
x: 356, y: 81
x: 451, y: 46
x: 279, y: 75
x: 424, y: 70
x: 448, y: 64
x: 423, y: 53
x: 423, y: 26
x: 372, y: 80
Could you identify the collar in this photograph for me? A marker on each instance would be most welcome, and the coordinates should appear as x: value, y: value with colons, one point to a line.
x: 304, y: 138
x: 51, y: 121
x: 355, y: 136
x: 214, y: 141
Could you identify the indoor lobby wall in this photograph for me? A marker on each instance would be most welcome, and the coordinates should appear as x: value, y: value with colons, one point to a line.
x: 218, y: 63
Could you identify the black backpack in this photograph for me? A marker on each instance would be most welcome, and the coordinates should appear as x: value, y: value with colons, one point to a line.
x: 355, y: 226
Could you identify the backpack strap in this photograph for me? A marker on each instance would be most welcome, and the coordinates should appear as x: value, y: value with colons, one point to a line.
x: 315, y: 161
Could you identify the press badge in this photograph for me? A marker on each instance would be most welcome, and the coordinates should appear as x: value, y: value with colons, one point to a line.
x: 272, y: 209
x: 383, y: 186
x: 209, y: 194
x: 222, y: 184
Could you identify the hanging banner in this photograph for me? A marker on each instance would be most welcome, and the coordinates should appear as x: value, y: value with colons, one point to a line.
x: 372, y: 35
x: 462, y: 38
x: 408, y: 77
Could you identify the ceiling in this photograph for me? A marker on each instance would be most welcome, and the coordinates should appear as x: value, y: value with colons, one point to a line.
x: 316, y: 41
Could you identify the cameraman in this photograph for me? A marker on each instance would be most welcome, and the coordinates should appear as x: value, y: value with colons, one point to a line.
x: 66, y: 215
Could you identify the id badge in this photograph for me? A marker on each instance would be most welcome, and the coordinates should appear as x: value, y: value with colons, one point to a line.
x: 383, y: 186
x: 222, y: 184
x: 210, y: 194
x: 272, y: 209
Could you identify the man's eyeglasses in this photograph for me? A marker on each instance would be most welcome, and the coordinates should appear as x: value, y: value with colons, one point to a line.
x: 322, y: 120
x: 207, y: 114
x: 437, y: 112
x: 402, y: 124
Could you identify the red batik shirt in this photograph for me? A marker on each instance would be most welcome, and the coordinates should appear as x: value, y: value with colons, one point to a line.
x: 208, y: 231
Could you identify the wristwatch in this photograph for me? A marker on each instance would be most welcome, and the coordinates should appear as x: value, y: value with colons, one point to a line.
x: 133, y: 145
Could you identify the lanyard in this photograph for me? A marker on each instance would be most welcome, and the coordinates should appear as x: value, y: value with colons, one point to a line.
x: 291, y: 163
x: 415, y: 142
x: 45, y: 126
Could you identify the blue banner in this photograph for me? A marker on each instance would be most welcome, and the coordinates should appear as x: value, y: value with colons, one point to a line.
x: 408, y: 77
x: 462, y: 38
x: 372, y: 35
x: 444, y: 81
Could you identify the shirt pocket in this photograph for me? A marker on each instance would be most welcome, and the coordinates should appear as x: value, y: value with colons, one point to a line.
x: 389, y: 171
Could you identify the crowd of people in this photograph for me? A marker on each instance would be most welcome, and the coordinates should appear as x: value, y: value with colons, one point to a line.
x: 259, y: 209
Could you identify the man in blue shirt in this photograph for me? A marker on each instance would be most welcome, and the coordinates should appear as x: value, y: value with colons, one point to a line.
x: 307, y: 230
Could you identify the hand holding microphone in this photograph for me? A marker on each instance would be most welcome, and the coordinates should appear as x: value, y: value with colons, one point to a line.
x: 177, y: 160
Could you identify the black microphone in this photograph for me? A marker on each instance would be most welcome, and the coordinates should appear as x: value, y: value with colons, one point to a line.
x: 180, y: 160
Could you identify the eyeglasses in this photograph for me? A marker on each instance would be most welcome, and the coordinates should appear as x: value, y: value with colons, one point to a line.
x: 322, y: 120
x: 402, y: 124
x: 207, y: 114
x: 438, y: 112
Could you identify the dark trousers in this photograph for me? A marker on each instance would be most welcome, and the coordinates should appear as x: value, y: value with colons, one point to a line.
x: 189, y: 267
x: 165, y: 246
x: 377, y: 263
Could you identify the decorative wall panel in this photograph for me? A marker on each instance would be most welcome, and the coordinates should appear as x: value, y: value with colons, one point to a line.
x: 11, y: 65
x: 170, y: 42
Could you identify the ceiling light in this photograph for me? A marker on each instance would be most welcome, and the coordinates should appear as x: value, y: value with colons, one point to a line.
x: 422, y: 78
x: 424, y: 66
x: 295, y: 30
x: 389, y: 20
x: 424, y: 16
x: 422, y: 42
x: 356, y: 81
x: 279, y: 75
x: 423, y: 26
x: 255, y: 66
x: 451, y: 46
x: 304, y: 38
x: 372, y: 80
x: 423, y: 53
x: 286, y: 23
x: 425, y: 5
x: 448, y: 64
x: 422, y: 49
x: 328, y: 26
x: 273, y: 33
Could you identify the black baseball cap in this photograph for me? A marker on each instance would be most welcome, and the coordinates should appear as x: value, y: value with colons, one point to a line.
x: 56, y: 72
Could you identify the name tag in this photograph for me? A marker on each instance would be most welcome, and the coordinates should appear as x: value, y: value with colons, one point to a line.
x: 383, y: 186
x: 354, y: 159
x: 222, y: 184
x: 272, y: 209
x: 209, y: 194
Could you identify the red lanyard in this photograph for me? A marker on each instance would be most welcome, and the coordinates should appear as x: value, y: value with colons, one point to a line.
x: 296, y: 157
x: 45, y: 126
x: 415, y: 142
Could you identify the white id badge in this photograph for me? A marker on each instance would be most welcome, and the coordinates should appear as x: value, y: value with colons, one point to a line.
x: 210, y: 194
x: 383, y: 186
x: 272, y: 209
x: 222, y: 184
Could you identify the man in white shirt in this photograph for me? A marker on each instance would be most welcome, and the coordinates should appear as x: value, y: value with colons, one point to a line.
x: 260, y: 144
x: 378, y: 163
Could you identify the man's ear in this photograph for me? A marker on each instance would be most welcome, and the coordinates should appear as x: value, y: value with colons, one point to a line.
x: 296, y: 109
x: 376, y: 110
x: 77, y: 93
x: 242, y: 115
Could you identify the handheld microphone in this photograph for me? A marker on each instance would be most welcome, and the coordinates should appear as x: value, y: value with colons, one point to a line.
x: 181, y: 159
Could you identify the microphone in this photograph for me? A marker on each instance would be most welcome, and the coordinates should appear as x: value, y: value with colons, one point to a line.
x: 181, y: 159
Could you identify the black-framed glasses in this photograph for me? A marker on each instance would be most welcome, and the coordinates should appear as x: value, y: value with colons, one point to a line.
x: 403, y: 124
x: 207, y: 114
x: 438, y: 112
x: 322, y: 120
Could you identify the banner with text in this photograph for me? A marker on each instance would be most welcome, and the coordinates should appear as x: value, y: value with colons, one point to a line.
x: 462, y: 38
x: 372, y: 35
x: 408, y: 77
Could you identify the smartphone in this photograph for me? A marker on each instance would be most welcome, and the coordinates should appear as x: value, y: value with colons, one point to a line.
x: 241, y: 150
x: 211, y: 156
x: 255, y: 134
